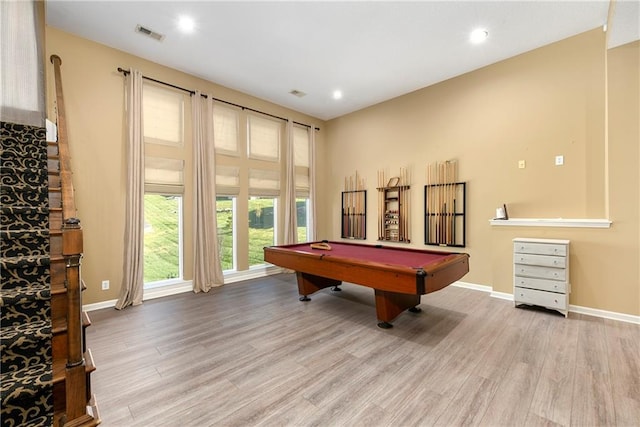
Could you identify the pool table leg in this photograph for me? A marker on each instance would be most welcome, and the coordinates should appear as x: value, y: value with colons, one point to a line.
x: 390, y: 304
x: 309, y: 283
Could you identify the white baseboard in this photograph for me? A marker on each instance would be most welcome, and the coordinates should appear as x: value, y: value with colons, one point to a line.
x: 99, y: 305
x: 151, y: 293
x: 254, y: 274
x: 622, y: 317
x: 502, y: 295
x: 473, y: 286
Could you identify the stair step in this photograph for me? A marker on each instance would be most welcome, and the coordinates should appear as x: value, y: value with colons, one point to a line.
x: 14, y: 175
x: 20, y: 344
x: 22, y: 151
x: 59, y: 378
x: 23, y: 195
x: 24, y: 217
x: 24, y: 243
x: 24, y: 139
x: 53, y: 165
x: 27, y: 396
x: 52, y: 148
x: 59, y: 331
x: 60, y: 325
x: 60, y: 365
x: 55, y: 218
x: 24, y: 272
x: 54, y: 179
x: 25, y: 304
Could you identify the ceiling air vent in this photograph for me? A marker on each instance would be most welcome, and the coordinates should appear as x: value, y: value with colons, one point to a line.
x: 147, y: 32
x: 297, y: 93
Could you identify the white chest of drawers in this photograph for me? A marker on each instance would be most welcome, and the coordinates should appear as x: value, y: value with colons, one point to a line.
x: 541, y: 273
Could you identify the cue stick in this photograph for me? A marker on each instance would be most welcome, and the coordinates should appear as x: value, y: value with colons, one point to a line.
x: 432, y: 202
x: 449, y: 203
x: 452, y: 201
x: 429, y: 201
x: 449, y: 198
x: 344, y: 208
x: 445, y: 203
x: 401, y: 206
x: 446, y: 217
x: 380, y: 213
x: 355, y: 207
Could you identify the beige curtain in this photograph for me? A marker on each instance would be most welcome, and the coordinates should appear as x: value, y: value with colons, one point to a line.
x: 22, y: 93
x: 313, y: 233
x: 207, y: 270
x: 290, y: 217
x: 131, y: 289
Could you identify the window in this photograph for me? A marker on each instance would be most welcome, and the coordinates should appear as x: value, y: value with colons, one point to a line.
x: 163, y: 114
x: 164, y: 170
x: 264, y: 139
x: 162, y: 238
x: 302, y: 171
x: 225, y: 130
x: 225, y: 215
x: 262, y: 227
x: 302, y: 209
x: 164, y: 185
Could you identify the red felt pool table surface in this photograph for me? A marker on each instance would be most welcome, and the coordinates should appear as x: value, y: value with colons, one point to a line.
x: 399, y: 276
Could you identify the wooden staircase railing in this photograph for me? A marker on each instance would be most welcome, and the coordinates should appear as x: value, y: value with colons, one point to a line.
x: 77, y: 387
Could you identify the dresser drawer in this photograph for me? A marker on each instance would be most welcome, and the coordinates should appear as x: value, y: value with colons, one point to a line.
x: 541, y: 298
x: 541, y: 260
x: 540, y: 272
x: 541, y: 284
x: 539, y: 248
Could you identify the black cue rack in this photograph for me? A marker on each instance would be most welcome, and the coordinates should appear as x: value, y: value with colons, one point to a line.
x: 444, y: 219
x: 354, y: 214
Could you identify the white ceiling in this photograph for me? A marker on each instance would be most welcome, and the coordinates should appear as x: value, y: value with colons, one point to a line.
x: 370, y: 50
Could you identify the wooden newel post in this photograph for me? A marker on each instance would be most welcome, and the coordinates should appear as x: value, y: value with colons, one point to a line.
x: 76, y: 388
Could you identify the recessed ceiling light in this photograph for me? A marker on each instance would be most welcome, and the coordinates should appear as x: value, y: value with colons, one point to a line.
x: 337, y: 94
x: 186, y: 24
x: 478, y: 35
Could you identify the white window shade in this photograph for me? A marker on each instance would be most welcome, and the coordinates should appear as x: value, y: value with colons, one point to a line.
x: 263, y: 182
x: 302, y: 183
x: 225, y: 129
x: 163, y: 175
x: 163, y: 114
x: 227, y: 180
x: 301, y: 146
x: 264, y: 138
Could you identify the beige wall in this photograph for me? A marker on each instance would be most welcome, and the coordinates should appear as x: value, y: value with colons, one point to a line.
x: 532, y: 107
x: 94, y: 100
x: 548, y: 102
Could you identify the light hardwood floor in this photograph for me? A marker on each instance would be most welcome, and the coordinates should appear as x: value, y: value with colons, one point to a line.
x: 251, y: 354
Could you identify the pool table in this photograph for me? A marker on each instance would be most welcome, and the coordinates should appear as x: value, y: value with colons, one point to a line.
x: 399, y: 276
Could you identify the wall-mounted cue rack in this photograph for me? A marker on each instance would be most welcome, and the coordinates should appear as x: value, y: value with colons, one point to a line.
x: 444, y: 206
x: 394, y: 207
x: 354, y: 209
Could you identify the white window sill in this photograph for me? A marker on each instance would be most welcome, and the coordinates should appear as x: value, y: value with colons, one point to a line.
x: 551, y: 222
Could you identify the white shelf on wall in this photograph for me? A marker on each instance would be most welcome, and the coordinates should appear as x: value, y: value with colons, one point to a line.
x: 551, y: 222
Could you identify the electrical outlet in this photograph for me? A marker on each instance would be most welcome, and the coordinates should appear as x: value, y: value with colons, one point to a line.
x: 105, y: 285
x: 522, y: 164
x: 559, y: 160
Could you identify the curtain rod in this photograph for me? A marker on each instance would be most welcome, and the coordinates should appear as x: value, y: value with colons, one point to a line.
x: 192, y: 92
